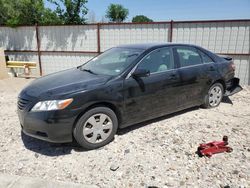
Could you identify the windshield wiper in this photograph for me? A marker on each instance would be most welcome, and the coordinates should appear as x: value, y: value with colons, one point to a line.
x: 88, y: 70
x: 131, y: 55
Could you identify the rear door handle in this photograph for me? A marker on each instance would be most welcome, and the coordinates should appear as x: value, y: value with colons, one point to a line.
x: 211, y: 68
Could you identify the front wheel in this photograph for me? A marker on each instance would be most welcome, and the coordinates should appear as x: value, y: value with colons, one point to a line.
x: 96, y: 128
x: 214, y: 96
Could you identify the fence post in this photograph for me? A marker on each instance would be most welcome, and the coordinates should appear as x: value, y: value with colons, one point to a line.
x: 38, y: 49
x: 171, y: 31
x: 98, y: 39
x: 3, y: 69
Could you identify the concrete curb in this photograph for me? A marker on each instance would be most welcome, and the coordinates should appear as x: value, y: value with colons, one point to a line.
x: 13, y: 181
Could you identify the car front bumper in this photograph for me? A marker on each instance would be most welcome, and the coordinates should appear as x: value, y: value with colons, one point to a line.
x: 232, y: 87
x: 51, y: 126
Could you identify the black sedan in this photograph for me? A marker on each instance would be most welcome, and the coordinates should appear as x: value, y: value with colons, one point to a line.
x: 123, y: 86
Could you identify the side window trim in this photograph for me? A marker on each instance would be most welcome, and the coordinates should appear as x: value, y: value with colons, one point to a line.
x: 172, y: 57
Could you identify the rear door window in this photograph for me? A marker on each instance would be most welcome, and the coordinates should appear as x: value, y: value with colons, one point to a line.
x: 205, y: 57
x: 188, y: 56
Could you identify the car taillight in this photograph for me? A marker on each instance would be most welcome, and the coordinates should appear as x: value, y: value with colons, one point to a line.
x: 232, y: 66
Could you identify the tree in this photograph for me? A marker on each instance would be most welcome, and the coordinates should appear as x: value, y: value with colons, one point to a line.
x: 91, y: 17
x: 116, y: 13
x: 141, y: 18
x: 74, y: 11
x: 31, y: 12
x: 26, y: 12
x: 50, y: 18
x: 3, y: 13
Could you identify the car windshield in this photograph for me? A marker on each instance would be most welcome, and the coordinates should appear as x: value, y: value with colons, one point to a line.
x: 112, y: 62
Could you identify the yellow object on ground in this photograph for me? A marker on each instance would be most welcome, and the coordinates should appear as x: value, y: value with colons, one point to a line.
x: 21, y: 64
x: 25, y: 65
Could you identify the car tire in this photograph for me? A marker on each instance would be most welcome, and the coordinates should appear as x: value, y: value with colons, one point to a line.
x: 96, y: 128
x: 214, y: 96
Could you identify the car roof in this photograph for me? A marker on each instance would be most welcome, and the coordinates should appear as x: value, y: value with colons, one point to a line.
x: 146, y: 46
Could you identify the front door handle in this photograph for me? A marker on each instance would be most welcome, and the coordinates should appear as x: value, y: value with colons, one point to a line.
x: 172, y: 77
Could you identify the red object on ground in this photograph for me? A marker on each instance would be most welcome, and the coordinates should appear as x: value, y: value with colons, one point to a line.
x: 211, y: 148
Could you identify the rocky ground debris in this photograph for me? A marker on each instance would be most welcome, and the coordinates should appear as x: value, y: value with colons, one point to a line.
x: 158, y: 153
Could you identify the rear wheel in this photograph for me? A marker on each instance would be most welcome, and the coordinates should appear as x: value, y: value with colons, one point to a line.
x: 214, y: 96
x: 96, y: 128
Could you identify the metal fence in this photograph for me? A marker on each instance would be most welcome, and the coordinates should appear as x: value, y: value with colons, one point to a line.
x: 59, y: 47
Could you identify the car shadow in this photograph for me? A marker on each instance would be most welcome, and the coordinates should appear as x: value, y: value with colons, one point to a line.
x: 140, y: 125
x: 49, y: 149
x: 227, y: 100
x: 54, y: 149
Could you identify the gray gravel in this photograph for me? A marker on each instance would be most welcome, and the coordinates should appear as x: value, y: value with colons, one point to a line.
x: 158, y: 153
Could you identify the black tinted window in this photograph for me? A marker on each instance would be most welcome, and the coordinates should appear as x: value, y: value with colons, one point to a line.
x: 205, y: 57
x: 188, y: 56
x: 158, y: 61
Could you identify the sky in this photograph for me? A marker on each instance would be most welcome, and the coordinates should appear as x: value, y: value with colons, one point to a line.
x: 165, y: 10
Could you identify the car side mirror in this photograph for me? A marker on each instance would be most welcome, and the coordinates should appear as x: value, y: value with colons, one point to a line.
x: 140, y: 73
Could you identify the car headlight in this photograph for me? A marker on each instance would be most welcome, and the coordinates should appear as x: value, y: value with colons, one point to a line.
x: 51, y: 105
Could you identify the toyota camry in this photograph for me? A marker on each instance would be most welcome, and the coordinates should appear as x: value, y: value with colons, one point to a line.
x: 123, y: 86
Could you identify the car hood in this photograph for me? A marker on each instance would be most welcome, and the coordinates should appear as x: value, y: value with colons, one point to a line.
x: 63, y: 83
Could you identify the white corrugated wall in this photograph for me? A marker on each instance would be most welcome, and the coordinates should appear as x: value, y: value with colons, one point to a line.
x: 242, y: 68
x: 113, y: 35
x: 219, y: 37
x: 53, y: 62
x: 66, y: 38
x: 20, y: 38
x: 55, y: 41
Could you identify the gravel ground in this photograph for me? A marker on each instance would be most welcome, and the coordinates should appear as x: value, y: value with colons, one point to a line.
x: 158, y: 153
